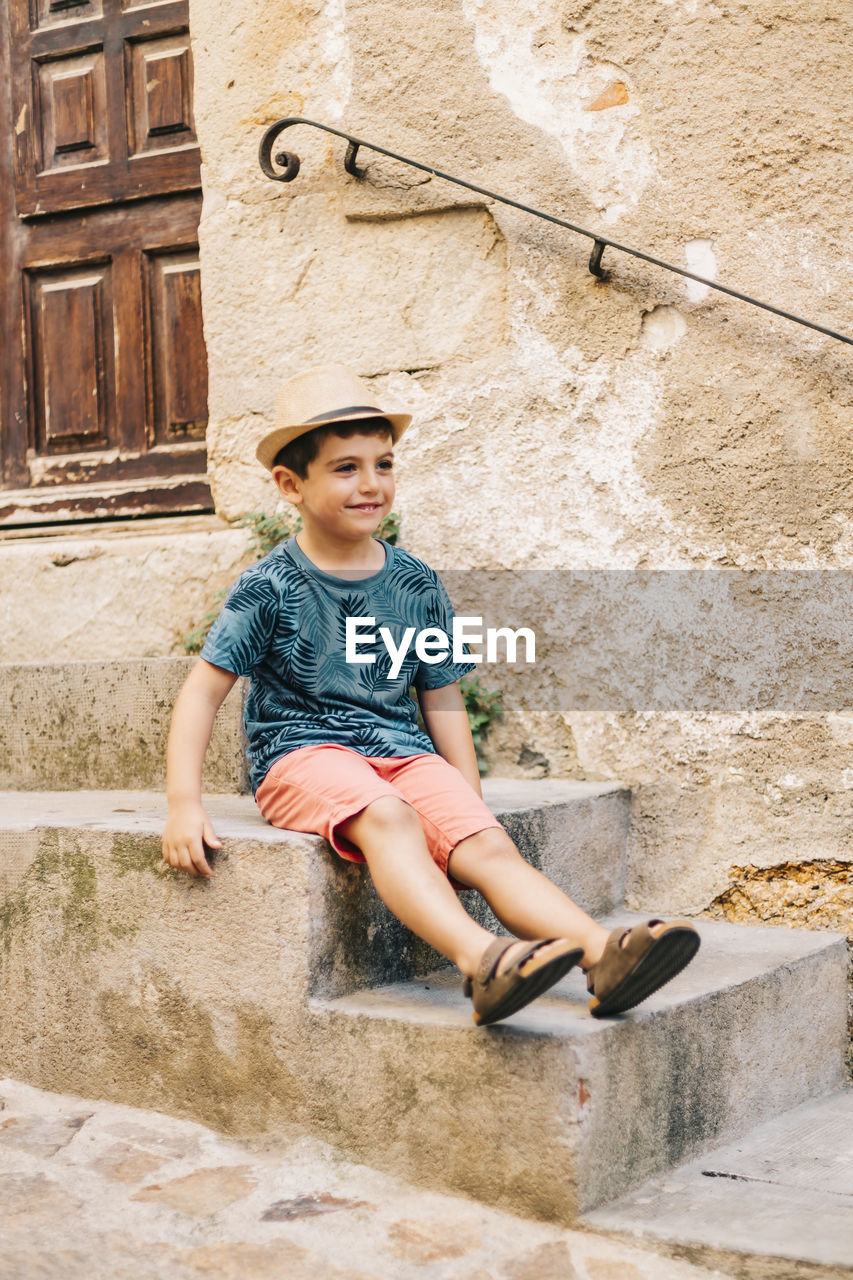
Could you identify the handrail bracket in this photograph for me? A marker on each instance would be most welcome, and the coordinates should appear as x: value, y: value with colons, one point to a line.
x: 595, y: 260
x: 349, y: 161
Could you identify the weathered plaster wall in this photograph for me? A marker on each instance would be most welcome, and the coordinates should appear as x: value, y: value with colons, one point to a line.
x: 561, y: 421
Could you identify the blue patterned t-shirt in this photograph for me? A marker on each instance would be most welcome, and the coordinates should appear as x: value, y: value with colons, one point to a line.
x: 283, y: 624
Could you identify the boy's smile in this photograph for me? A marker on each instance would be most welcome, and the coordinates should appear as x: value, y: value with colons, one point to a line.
x: 348, y: 488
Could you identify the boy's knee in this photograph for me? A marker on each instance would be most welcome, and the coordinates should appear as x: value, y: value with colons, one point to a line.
x: 491, y: 848
x: 387, y: 814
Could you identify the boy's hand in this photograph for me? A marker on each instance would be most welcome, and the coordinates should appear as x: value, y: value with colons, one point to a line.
x: 188, y: 829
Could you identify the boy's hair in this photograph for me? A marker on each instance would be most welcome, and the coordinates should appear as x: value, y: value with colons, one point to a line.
x: 301, y: 452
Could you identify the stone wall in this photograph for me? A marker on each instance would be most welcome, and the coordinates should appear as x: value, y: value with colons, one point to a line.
x: 123, y: 590
x: 563, y: 422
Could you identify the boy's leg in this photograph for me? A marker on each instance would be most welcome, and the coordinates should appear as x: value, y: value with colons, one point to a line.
x: 525, y: 901
x: 478, y: 854
x: 351, y: 801
x: 626, y: 965
x: 389, y: 834
x: 475, y: 850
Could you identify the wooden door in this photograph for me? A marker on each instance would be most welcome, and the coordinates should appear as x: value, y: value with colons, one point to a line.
x: 103, y: 372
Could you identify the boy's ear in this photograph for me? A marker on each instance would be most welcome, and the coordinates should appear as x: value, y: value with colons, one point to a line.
x: 287, y: 482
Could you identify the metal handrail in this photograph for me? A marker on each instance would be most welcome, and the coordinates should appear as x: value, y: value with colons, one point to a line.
x: 290, y: 162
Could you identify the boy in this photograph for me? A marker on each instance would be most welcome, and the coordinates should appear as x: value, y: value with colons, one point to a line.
x: 334, y: 744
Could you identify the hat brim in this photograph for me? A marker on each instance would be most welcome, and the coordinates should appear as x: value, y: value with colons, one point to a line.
x: 272, y: 443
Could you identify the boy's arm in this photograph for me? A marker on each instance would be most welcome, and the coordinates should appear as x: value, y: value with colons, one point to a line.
x: 188, y: 827
x: 447, y: 724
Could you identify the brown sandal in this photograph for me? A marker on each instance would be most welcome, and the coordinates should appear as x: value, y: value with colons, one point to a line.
x: 654, y: 953
x: 497, y: 995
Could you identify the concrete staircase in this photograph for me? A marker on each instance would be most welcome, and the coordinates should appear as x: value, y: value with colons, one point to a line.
x: 280, y: 996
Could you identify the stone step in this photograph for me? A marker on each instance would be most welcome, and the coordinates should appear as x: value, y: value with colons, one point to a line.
x: 780, y: 1195
x: 557, y: 1112
x: 575, y: 832
x: 103, y: 724
x: 113, y: 589
x: 249, y: 1002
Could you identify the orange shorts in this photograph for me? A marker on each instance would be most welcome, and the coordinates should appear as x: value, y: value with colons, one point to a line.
x: 315, y: 789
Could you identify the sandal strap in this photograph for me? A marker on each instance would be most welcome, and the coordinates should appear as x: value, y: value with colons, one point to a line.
x: 487, y: 984
x: 487, y: 968
x: 490, y: 959
x: 498, y: 993
x: 618, y: 960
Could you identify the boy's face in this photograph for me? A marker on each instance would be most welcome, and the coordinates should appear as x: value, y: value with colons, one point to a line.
x: 348, y: 488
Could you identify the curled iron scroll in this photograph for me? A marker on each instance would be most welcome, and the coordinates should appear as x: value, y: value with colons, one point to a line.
x: 284, y: 165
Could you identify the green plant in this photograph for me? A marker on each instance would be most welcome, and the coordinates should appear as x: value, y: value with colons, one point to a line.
x: 483, y: 706
x: 268, y: 531
x: 389, y: 529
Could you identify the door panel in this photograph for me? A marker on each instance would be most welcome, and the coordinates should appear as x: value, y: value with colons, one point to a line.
x: 159, y: 76
x: 71, y: 383
x: 70, y: 97
x: 178, y: 386
x: 103, y: 397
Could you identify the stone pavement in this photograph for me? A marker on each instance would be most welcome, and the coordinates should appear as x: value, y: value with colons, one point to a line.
x: 97, y: 1191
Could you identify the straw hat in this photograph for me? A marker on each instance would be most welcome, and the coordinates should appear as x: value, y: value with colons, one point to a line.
x: 318, y: 397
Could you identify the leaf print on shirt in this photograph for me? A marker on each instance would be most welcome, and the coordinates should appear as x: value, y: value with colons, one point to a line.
x: 293, y: 596
x: 367, y: 739
x: 303, y: 663
x: 328, y: 676
x: 372, y: 674
x: 318, y: 624
x: 354, y: 605
x: 244, y: 629
x: 406, y: 587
